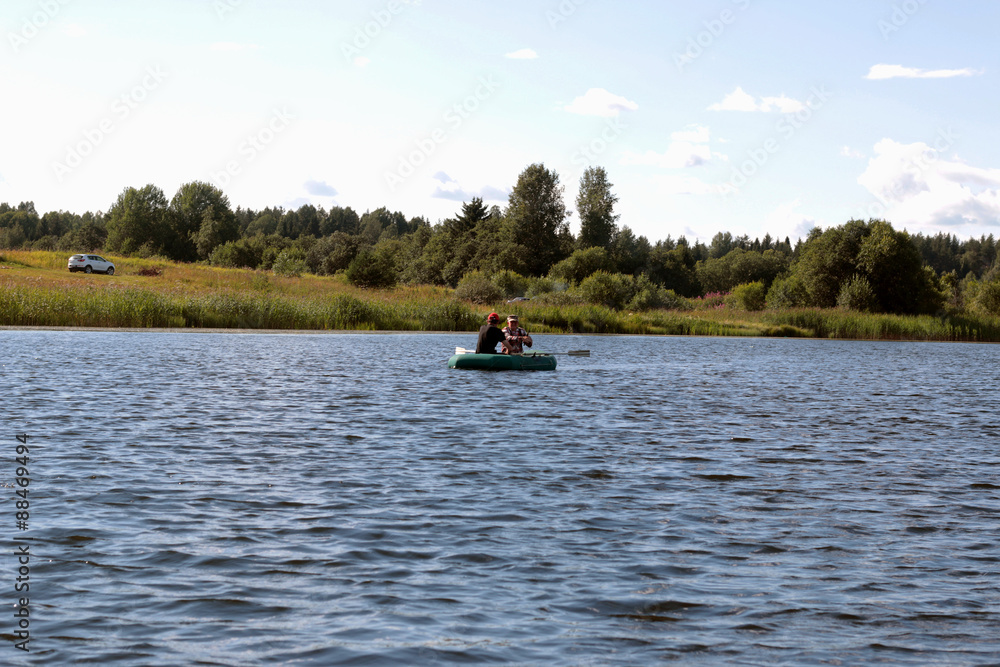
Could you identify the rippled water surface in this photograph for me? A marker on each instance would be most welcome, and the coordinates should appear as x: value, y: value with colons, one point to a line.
x: 228, y: 499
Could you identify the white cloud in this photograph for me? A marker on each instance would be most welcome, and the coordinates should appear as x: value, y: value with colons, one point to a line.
x: 599, y: 102
x: 697, y: 134
x: 523, y: 54
x: 679, y: 154
x: 787, y: 221
x: 918, y: 187
x: 881, y: 72
x: 448, y: 188
x: 740, y: 100
x: 320, y: 189
x: 847, y: 151
x: 688, y: 148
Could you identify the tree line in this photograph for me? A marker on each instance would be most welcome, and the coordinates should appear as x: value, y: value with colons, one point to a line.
x: 527, y: 249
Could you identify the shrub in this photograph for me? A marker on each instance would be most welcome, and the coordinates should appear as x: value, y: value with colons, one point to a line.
x: 372, y: 270
x: 646, y: 295
x: 510, y: 283
x: 613, y: 290
x: 987, y: 298
x: 712, y: 300
x: 674, y: 301
x: 540, y: 286
x: 559, y: 299
x: 857, y: 294
x: 749, y: 296
x: 290, y: 263
x: 581, y: 264
x: 787, y: 292
x: 477, y: 288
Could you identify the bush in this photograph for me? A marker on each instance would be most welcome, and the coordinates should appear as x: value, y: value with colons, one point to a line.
x: 646, y: 295
x: 540, y: 286
x: 559, y: 299
x: 749, y: 296
x: 613, y: 290
x: 986, y: 300
x: 510, y: 283
x: 712, y: 300
x: 857, y: 294
x: 787, y: 292
x: 674, y: 301
x: 477, y: 288
x: 372, y: 270
x: 581, y: 264
x: 290, y: 263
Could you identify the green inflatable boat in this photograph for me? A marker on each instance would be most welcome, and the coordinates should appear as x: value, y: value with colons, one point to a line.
x: 529, y: 361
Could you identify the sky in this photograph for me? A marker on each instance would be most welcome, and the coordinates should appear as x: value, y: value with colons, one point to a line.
x: 744, y: 116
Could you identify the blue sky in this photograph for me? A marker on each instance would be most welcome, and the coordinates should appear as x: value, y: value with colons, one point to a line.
x: 747, y: 116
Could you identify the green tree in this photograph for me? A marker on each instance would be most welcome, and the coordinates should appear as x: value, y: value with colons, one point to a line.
x: 787, y: 292
x: 595, y: 204
x: 265, y: 224
x: 371, y: 269
x: 749, y: 296
x: 195, y: 204
x: 888, y: 260
x: 340, y: 220
x: 578, y: 266
x: 828, y: 258
x: 536, y: 215
x: 613, y: 290
x: 674, y: 268
x: 857, y: 294
x: 216, y: 228
x: 631, y: 254
x: 309, y: 220
x: 496, y: 247
x: 986, y: 297
x: 722, y: 245
x: 137, y: 219
x: 740, y: 267
x: 477, y: 288
x: 893, y: 266
x: 473, y: 213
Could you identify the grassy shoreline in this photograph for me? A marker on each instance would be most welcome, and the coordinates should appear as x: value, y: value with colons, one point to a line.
x: 36, y: 290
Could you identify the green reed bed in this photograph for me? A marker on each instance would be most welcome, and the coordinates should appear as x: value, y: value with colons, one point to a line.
x: 130, y: 307
x: 871, y: 326
x: 602, y: 320
x: 116, y: 307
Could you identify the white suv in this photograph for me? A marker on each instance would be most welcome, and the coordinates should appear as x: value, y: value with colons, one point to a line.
x: 90, y: 264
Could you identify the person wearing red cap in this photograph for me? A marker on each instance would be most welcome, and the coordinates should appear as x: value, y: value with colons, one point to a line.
x: 489, y: 335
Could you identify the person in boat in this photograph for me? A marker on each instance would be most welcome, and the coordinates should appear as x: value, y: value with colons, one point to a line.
x: 517, y: 337
x: 489, y: 335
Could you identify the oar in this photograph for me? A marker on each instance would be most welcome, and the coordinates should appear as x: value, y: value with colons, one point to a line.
x: 571, y: 353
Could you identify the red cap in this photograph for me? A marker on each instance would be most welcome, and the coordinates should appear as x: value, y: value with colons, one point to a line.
x: 493, y: 318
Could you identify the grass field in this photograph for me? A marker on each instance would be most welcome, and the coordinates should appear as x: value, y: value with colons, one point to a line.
x: 37, y: 290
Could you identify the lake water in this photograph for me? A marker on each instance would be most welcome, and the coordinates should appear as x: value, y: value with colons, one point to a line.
x: 243, y: 499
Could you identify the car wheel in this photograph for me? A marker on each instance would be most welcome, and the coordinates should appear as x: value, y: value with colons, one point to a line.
x: 111, y: 270
x: 88, y: 270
